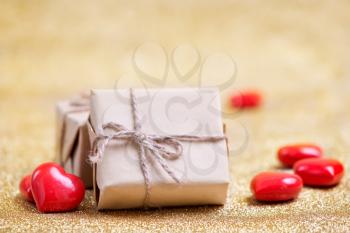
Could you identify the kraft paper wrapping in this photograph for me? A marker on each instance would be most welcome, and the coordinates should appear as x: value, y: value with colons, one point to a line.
x: 202, y: 167
x: 72, y: 140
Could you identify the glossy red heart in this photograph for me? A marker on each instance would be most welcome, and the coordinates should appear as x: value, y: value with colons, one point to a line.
x: 276, y: 186
x: 26, y: 189
x: 290, y: 154
x: 319, y: 172
x: 54, y: 190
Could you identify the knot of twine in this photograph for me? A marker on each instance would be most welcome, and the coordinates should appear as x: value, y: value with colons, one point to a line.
x: 162, y: 148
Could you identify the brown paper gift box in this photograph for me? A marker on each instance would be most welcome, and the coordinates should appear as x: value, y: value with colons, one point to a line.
x: 73, y: 144
x: 202, y: 168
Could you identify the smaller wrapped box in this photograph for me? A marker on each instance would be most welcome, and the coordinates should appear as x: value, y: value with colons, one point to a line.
x: 72, y: 138
x: 158, y: 147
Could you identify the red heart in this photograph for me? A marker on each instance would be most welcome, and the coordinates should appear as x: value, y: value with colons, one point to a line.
x: 276, y: 186
x: 54, y: 190
x: 246, y: 99
x: 26, y: 189
x: 290, y: 154
x: 319, y: 172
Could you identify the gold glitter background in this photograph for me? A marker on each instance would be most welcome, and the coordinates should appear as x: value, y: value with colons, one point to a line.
x: 296, y: 52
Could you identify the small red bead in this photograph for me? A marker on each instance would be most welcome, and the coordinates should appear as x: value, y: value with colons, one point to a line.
x: 319, y: 172
x: 26, y: 189
x: 276, y: 186
x: 54, y: 190
x: 290, y: 154
x: 246, y: 99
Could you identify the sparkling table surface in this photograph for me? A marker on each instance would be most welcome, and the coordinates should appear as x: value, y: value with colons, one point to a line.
x: 297, y: 54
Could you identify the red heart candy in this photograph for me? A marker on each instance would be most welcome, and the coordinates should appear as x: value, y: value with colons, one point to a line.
x: 54, y: 190
x: 246, y: 99
x: 319, y: 172
x: 26, y: 189
x: 290, y: 154
x: 276, y: 186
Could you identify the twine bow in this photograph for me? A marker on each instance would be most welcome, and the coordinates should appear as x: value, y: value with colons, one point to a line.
x: 162, y: 148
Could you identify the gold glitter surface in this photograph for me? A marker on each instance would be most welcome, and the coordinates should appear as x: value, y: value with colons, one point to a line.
x: 297, y: 53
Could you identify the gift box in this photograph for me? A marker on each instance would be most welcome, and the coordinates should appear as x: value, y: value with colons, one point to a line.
x: 158, y: 147
x: 72, y: 137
